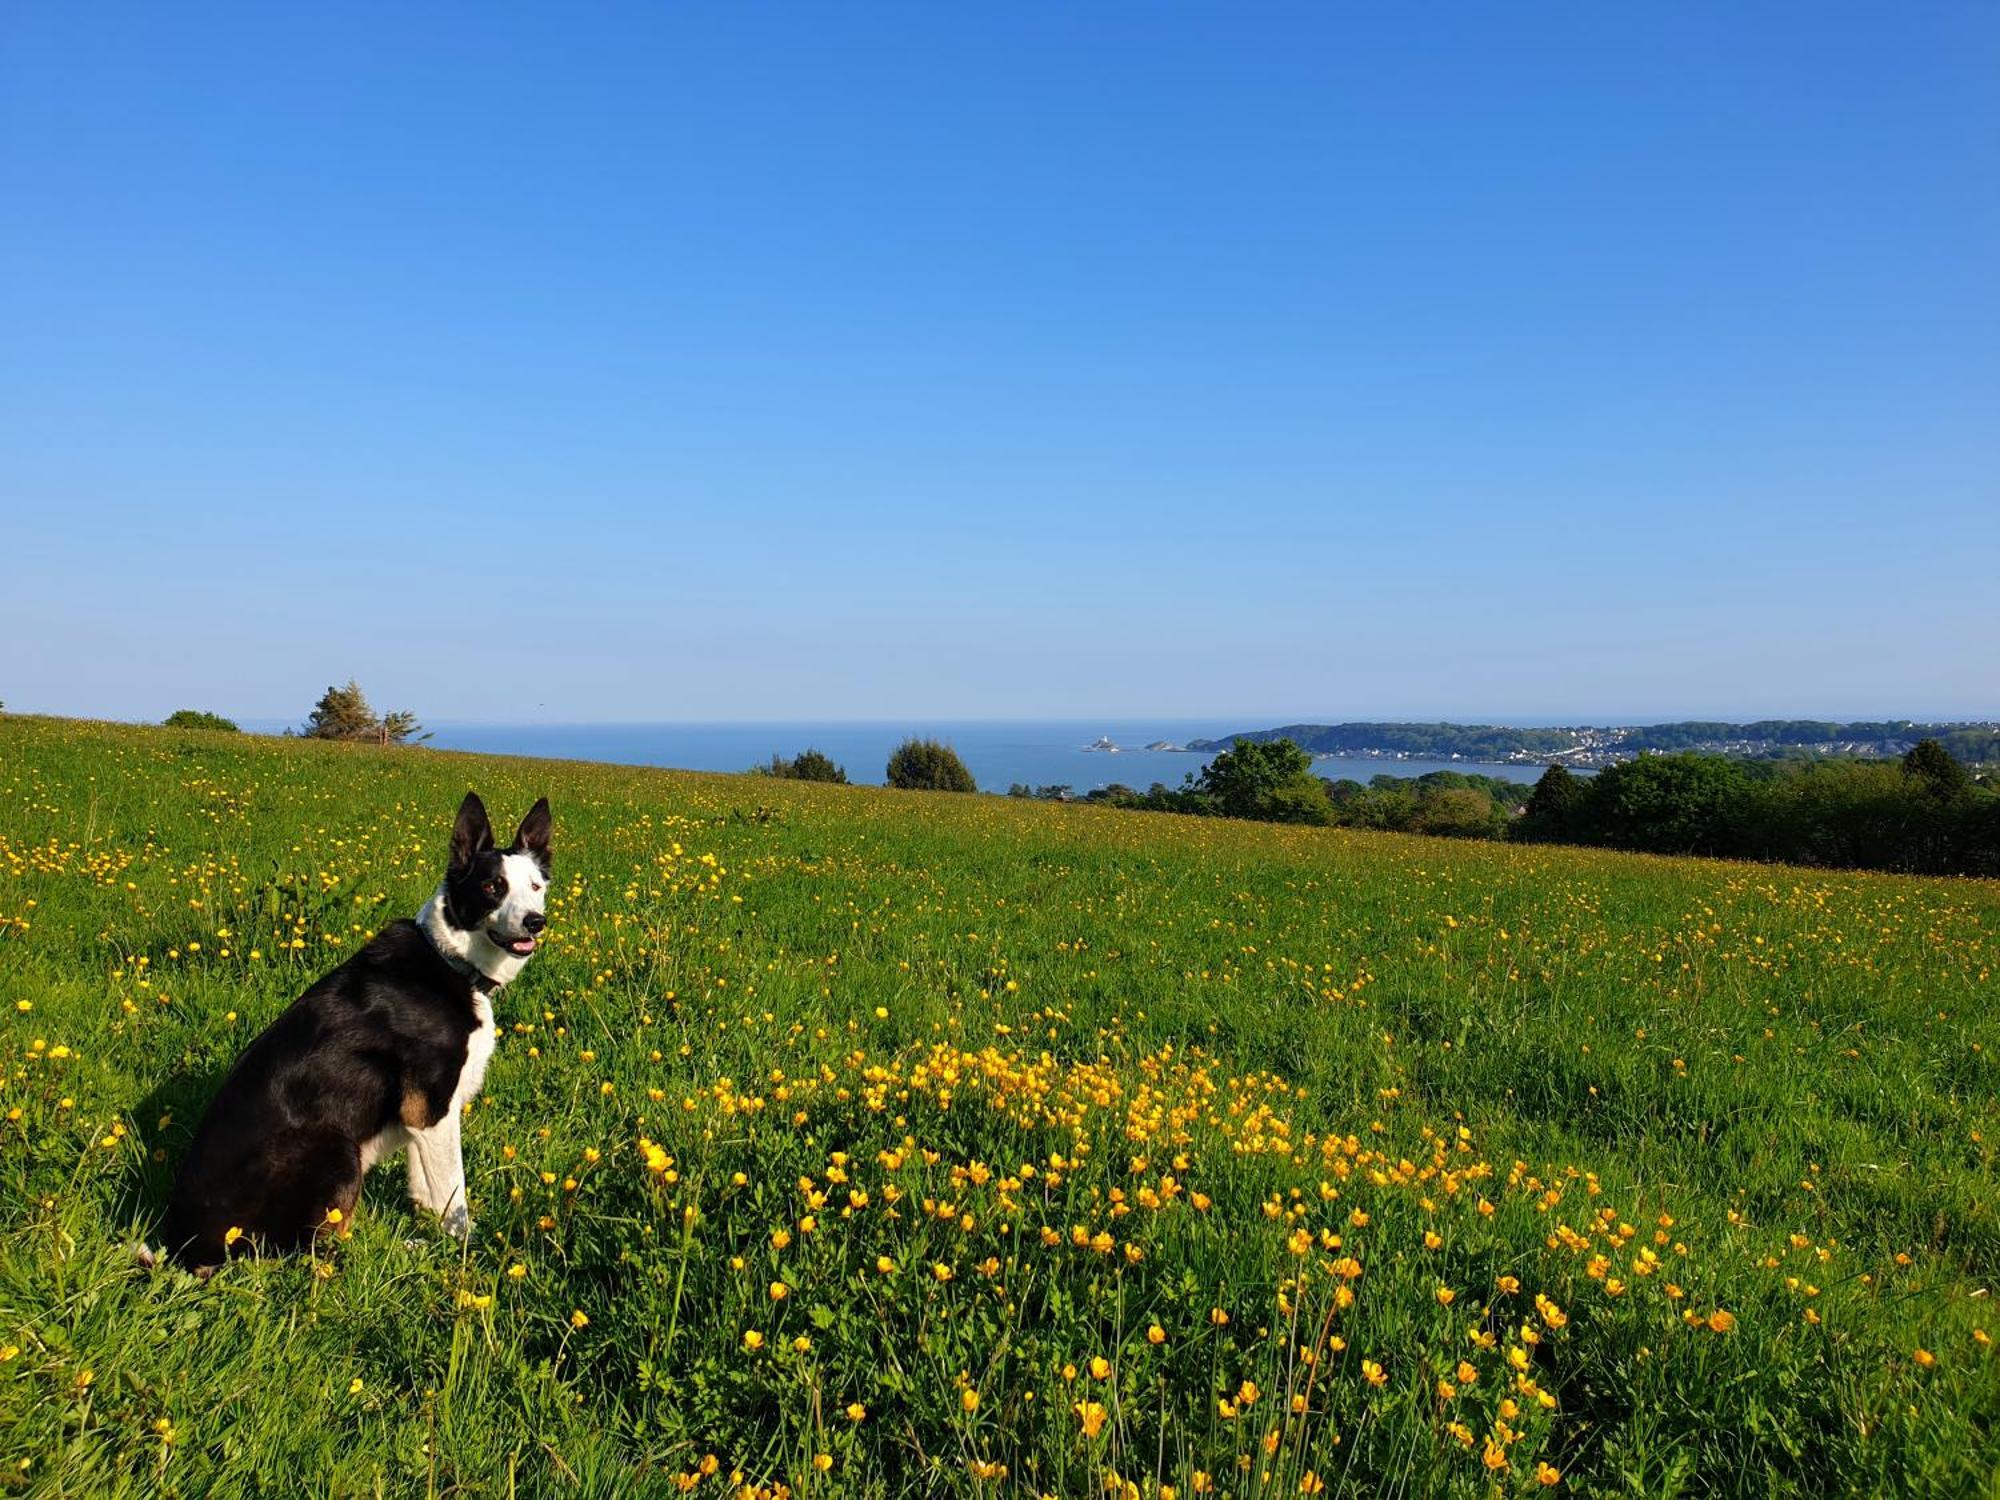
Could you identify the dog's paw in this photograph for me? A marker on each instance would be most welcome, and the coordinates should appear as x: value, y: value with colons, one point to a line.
x: 458, y: 1222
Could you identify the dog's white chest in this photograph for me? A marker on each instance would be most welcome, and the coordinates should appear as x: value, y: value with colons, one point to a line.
x: 478, y: 1052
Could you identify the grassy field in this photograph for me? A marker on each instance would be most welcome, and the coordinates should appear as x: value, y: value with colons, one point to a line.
x: 851, y: 1142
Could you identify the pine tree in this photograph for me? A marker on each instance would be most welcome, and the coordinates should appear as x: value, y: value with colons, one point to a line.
x: 400, y: 727
x: 342, y: 713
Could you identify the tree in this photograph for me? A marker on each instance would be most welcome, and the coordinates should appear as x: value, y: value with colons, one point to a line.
x: 929, y: 766
x: 1551, y: 804
x: 399, y: 727
x: 198, y: 718
x: 1270, y: 780
x: 342, y: 713
x: 1937, y: 771
x: 1668, y: 804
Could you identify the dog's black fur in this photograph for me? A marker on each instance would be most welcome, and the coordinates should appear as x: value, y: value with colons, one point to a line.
x: 379, y: 1043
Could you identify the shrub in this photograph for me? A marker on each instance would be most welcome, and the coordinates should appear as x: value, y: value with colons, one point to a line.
x: 1458, y: 812
x: 198, y: 718
x: 929, y: 766
x: 807, y: 765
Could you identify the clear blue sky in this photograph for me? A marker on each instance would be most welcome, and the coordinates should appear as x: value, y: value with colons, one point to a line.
x: 785, y: 361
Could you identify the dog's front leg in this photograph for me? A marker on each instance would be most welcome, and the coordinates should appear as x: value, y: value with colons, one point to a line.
x: 437, y: 1174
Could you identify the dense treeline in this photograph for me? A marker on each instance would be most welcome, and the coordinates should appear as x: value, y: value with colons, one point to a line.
x: 1273, y: 782
x: 1924, y: 814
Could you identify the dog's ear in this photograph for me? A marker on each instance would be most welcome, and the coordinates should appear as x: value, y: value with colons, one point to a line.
x: 471, y: 835
x: 533, y: 834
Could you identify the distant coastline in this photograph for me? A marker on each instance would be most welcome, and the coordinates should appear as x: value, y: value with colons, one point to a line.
x: 1140, y: 752
x: 1592, y: 746
x: 1000, y: 753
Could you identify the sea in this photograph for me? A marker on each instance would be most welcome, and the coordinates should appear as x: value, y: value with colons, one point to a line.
x: 999, y: 753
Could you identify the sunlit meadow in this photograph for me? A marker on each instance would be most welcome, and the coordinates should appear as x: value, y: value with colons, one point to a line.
x: 850, y: 1142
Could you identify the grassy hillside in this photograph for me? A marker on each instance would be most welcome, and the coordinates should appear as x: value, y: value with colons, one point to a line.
x: 872, y: 1143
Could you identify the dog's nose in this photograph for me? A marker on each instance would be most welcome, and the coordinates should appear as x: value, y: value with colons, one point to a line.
x: 534, y: 921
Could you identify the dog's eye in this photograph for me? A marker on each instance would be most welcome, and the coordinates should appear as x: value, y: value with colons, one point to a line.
x: 492, y: 887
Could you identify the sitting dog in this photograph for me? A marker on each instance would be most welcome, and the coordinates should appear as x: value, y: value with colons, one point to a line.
x: 381, y: 1054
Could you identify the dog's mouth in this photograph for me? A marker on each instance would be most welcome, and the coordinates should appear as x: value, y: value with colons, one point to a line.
x: 520, y: 946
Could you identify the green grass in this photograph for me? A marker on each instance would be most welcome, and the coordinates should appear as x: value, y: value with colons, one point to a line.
x: 1701, y: 1153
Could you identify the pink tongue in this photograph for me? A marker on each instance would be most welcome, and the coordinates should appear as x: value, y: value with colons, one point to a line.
x: 523, y: 945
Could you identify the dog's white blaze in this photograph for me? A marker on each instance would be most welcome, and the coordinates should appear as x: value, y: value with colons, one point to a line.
x: 527, y: 891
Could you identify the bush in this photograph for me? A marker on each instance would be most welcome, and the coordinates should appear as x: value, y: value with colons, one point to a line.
x: 807, y: 765
x: 198, y: 718
x: 929, y: 766
x: 1458, y: 812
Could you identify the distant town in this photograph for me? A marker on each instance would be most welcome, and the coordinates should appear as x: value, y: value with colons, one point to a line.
x: 1592, y: 746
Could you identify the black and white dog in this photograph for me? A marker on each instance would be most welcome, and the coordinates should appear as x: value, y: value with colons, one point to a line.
x: 381, y: 1054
